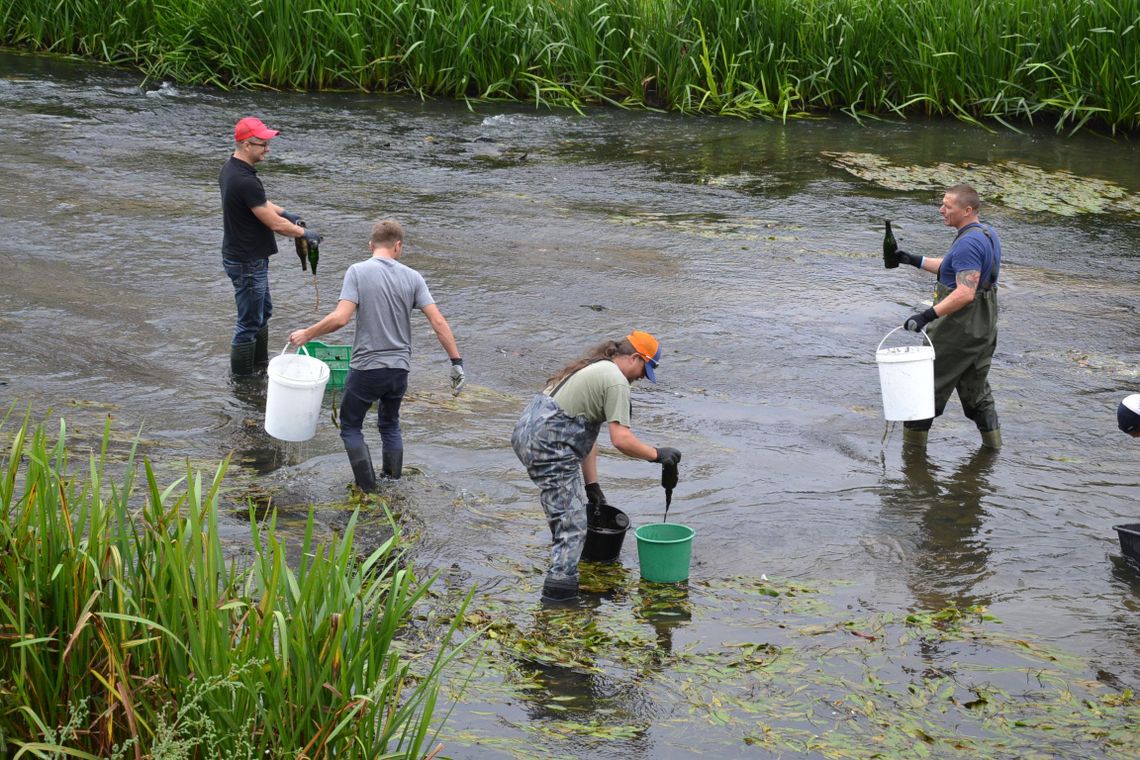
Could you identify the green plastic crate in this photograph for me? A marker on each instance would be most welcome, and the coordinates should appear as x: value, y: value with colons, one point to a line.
x: 337, y: 357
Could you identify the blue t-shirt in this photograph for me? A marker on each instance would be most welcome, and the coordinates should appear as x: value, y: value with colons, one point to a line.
x: 977, y: 248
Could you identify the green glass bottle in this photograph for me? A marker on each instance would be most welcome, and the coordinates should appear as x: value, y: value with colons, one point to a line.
x: 314, y: 256
x: 890, y: 261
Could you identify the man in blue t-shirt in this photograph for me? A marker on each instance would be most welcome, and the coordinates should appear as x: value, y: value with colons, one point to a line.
x: 966, y: 308
x: 249, y: 221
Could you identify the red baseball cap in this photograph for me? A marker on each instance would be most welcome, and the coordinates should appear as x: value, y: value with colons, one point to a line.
x: 252, y: 127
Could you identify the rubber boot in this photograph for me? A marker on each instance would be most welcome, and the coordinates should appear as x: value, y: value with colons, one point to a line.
x: 361, y: 461
x: 559, y: 592
x: 393, y: 462
x: 915, y: 437
x: 261, y: 348
x: 991, y: 439
x: 241, y: 358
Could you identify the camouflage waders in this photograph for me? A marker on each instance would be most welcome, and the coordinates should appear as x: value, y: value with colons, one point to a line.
x: 964, y: 344
x: 552, y: 444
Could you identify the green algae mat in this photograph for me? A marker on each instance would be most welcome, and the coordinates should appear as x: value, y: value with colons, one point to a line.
x: 756, y: 667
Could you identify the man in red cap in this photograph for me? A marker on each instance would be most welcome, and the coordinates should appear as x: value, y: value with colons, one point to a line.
x: 249, y: 221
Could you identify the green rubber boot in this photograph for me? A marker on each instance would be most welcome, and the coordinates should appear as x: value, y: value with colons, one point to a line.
x: 261, y: 348
x: 915, y: 437
x: 361, y: 461
x: 241, y: 358
x: 393, y: 464
x: 991, y: 439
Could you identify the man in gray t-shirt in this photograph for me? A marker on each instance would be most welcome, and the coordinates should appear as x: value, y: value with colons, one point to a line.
x: 382, y: 293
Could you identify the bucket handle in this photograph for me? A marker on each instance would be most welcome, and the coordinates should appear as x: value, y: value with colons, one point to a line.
x: 892, y: 332
x: 299, y: 350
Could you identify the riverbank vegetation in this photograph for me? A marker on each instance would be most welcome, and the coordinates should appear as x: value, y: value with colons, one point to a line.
x: 126, y: 631
x: 1066, y: 63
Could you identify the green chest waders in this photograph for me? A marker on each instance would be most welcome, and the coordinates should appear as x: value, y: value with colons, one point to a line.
x: 964, y: 344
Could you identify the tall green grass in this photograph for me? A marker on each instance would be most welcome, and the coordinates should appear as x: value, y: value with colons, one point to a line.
x: 1071, y: 63
x: 126, y: 632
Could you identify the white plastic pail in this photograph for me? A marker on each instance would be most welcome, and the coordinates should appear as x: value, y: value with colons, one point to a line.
x: 293, y: 399
x: 906, y: 374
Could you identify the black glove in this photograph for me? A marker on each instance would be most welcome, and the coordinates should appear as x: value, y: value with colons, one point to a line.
x: 594, y: 495
x: 920, y: 320
x: 312, y: 236
x: 908, y: 258
x: 294, y: 218
x: 667, y: 456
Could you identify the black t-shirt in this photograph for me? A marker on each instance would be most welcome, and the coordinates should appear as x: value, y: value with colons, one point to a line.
x: 244, y: 237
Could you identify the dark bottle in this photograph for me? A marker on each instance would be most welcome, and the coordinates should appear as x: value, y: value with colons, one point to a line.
x: 301, y: 246
x: 314, y: 255
x: 890, y: 261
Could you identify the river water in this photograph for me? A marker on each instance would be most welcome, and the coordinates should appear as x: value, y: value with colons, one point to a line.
x: 744, y: 246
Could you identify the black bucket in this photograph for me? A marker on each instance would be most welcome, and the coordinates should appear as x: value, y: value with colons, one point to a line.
x: 605, y: 531
x: 1129, y: 540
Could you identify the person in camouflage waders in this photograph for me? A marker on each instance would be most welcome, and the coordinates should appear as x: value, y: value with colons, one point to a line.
x: 556, y: 439
x: 966, y: 307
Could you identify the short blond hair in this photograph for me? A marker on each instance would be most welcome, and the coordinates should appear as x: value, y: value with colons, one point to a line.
x: 386, y: 234
x: 967, y: 196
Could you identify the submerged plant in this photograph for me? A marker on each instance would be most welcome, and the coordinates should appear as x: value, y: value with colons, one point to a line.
x: 639, y: 669
x: 1010, y: 183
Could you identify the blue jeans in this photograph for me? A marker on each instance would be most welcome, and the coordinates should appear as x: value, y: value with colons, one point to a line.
x: 362, y: 389
x: 251, y: 293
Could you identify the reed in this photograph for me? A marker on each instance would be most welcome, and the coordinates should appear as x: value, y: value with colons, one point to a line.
x: 128, y: 631
x: 1069, y: 62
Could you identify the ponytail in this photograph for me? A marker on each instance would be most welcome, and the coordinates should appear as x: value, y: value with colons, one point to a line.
x: 607, y: 350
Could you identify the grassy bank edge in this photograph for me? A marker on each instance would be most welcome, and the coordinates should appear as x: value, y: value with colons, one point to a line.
x: 129, y: 632
x: 1071, y: 63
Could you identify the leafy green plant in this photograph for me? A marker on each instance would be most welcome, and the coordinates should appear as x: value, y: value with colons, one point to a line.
x: 1074, y: 62
x: 126, y: 629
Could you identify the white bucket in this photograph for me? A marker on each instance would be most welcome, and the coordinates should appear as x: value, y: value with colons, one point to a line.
x: 293, y: 400
x: 906, y: 374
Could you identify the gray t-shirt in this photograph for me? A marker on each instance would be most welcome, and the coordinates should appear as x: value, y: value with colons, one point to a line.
x: 385, y: 293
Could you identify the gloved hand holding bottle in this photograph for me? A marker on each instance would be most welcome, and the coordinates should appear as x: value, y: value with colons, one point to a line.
x: 909, y: 258
x: 667, y: 456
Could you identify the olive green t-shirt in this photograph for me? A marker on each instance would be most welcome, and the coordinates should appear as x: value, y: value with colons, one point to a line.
x: 599, y: 391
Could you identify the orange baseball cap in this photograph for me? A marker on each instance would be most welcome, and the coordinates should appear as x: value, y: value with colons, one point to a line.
x: 648, y: 349
x: 253, y: 127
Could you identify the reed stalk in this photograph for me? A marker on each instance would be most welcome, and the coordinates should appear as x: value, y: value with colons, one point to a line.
x: 126, y: 630
x: 1070, y: 62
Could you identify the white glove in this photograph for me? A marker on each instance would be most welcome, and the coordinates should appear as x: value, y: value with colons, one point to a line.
x: 458, y: 376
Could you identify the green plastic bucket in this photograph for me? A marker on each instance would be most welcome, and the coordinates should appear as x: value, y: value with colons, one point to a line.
x: 664, y: 551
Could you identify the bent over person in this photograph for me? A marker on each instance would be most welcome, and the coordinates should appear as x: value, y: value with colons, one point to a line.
x: 556, y: 439
x: 249, y: 221
x: 382, y: 293
x: 962, y: 323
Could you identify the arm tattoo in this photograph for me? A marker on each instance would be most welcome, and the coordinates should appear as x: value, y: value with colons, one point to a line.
x: 970, y: 278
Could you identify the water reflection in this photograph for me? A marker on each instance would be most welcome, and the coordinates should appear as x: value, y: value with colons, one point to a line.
x: 949, y: 558
x: 568, y: 659
x: 666, y: 607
